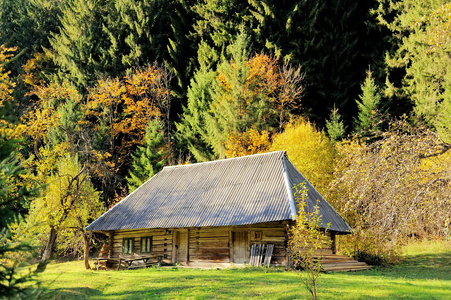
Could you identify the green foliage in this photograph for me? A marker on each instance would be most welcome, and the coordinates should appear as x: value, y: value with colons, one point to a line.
x: 335, y: 126
x: 217, y: 24
x: 80, y: 46
x: 150, y: 158
x: 191, y: 130
x: 12, y: 281
x: 28, y: 24
x: 306, y: 237
x: 421, y: 35
x: 368, y: 106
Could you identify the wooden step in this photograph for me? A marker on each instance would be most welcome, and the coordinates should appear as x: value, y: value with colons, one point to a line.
x: 351, y: 264
x: 346, y: 268
x: 341, y: 263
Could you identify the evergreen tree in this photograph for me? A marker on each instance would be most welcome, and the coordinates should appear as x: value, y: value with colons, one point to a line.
x: 191, y: 130
x: 368, y: 106
x: 80, y: 47
x: 150, y: 158
x: 420, y: 40
x: 217, y: 24
x: 28, y: 24
x: 245, y: 92
x: 335, y: 126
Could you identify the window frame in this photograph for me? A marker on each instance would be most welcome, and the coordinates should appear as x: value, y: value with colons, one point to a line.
x: 143, y: 247
x: 256, y: 235
x: 130, y: 242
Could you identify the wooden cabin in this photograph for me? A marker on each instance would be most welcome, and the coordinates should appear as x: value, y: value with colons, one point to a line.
x: 214, y: 212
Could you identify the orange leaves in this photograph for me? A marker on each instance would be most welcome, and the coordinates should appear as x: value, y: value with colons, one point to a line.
x: 264, y: 75
x: 128, y: 105
x: 39, y: 120
x: 247, y: 143
x: 34, y: 67
x: 262, y: 87
x: 121, y: 109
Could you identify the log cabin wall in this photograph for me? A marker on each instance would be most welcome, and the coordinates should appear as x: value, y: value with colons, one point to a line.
x: 161, y: 241
x: 224, y: 245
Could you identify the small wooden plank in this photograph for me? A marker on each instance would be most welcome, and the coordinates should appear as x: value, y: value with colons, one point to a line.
x: 268, y: 254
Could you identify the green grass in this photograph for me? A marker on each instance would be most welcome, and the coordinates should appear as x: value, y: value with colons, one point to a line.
x: 425, y: 274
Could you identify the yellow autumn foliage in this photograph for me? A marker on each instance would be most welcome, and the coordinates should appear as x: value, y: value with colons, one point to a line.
x: 247, y: 143
x: 309, y: 150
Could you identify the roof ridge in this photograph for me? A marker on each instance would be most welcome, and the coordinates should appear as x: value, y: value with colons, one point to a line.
x: 225, y: 159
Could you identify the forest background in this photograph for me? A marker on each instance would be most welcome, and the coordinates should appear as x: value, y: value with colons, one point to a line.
x: 97, y: 96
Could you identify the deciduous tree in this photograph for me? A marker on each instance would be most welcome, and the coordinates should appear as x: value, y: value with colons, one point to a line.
x: 393, y: 187
x: 306, y: 237
x: 309, y: 150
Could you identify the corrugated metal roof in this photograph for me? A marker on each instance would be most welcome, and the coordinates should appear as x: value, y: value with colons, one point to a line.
x: 237, y: 191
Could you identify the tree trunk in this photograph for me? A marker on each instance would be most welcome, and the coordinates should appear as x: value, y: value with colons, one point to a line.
x: 48, y: 250
x: 86, y: 250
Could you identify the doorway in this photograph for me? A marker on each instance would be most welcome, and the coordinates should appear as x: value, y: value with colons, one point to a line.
x: 240, y: 241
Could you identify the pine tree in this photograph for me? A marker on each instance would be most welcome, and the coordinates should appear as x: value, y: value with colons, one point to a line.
x: 150, y: 158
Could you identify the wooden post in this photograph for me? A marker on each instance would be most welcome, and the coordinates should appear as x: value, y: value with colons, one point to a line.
x: 231, y: 245
x: 174, y: 249
x: 187, y: 247
x: 110, y: 248
x: 333, y: 237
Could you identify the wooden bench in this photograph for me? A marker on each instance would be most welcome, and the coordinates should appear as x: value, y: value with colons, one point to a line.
x: 148, y: 260
x: 104, y: 257
x: 106, y: 260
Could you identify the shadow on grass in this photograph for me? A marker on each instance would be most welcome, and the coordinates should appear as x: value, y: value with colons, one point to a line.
x: 68, y: 293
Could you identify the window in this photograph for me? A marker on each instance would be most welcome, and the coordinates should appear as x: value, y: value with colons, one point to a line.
x: 128, y: 245
x: 256, y: 235
x: 146, y: 244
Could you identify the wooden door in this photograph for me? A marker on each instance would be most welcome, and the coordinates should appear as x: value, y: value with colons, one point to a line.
x: 180, y: 249
x: 240, y: 241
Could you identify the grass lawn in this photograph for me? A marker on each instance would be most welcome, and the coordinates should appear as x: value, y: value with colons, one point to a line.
x: 425, y: 274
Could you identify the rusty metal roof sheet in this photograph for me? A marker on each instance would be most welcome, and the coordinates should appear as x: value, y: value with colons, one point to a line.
x: 237, y: 191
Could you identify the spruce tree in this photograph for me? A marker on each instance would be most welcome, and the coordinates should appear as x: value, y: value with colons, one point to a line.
x: 335, y: 126
x: 368, y: 105
x: 80, y: 47
x: 27, y: 25
x: 150, y: 158
x: 419, y: 64
x: 191, y: 129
